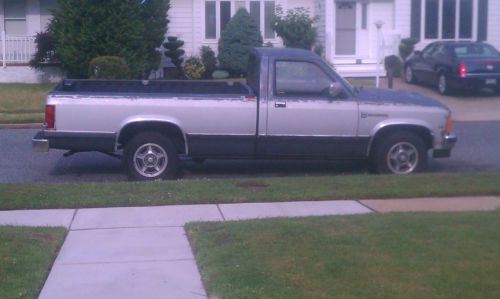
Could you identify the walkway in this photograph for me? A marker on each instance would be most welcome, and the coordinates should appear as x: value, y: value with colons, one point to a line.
x: 143, y: 252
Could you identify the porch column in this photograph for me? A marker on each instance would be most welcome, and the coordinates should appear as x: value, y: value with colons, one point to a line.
x: 329, y: 30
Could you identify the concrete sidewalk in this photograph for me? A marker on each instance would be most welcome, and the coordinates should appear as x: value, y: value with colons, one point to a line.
x: 143, y: 252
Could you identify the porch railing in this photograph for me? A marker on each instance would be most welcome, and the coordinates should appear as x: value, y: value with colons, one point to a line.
x: 16, y: 49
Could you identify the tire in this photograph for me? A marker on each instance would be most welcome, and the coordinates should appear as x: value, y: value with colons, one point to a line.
x: 151, y: 156
x: 400, y: 152
x: 443, y: 85
x: 409, y: 75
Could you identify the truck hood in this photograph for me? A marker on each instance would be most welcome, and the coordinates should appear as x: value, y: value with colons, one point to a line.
x: 398, y: 97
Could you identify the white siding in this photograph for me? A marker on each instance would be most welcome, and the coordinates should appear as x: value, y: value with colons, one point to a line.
x: 320, y: 12
x: 402, y: 17
x: 181, y: 20
x: 494, y: 23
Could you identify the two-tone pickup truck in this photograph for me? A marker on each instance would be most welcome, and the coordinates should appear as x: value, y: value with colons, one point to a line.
x: 293, y: 106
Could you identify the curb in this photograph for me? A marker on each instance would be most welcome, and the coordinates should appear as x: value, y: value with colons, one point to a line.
x: 21, y: 126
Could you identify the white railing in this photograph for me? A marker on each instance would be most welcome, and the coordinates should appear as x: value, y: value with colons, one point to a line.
x: 16, y: 49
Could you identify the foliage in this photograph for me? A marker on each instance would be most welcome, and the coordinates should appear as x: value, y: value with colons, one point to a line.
x: 209, y: 60
x: 319, y: 49
x: 239, y: 37
x: 393, y: 65
x: 131, y: 29
x: 108, y: 67
x: 406, y: 47
x: 194, y: 68
x: 174, y: 51
x: 45, y: 54
x: 295, y: 28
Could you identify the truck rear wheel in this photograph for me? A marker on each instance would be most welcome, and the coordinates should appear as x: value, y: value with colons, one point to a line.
x: 151, y: 156
x: 400, y: 153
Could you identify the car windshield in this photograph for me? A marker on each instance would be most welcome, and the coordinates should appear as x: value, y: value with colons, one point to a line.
x: 475, y: 50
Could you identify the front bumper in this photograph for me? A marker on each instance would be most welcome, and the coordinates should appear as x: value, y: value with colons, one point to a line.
x: 39, y: 143
x: 444, y: 151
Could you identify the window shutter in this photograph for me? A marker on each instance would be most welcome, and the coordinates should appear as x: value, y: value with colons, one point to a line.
x: 415, y: 19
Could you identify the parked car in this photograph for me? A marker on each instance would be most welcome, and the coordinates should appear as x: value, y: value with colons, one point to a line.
x: 454, y: 65
x: 294, y: 106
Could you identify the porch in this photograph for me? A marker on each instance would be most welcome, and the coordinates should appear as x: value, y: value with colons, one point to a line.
x: 16, y: 50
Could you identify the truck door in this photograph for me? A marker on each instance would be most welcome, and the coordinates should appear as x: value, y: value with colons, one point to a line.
x: 303, y: 119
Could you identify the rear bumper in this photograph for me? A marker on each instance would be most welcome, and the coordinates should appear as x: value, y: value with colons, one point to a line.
x: 476, y: 82
x: 39, y: 143
x: 444, y: 151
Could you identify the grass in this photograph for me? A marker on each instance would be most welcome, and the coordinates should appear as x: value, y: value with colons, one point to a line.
x: 26, y: 255
x: 420, y: 255
x: 21, y: 103
x: 85, y: 195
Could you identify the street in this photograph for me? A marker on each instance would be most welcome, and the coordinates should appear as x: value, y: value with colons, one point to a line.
x: 478, y: 150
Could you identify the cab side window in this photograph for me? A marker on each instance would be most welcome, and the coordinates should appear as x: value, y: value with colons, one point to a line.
x: 300, y: 78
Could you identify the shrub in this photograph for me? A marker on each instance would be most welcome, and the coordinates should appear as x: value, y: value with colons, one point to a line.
x: 406, y: 47
x: 239, y: 37
x: 108, y: 67
x: 45, y: 54
x: 319, y: 49
x: 209, y: 60
x: 174, y: 51
x: 83, y: 30
x: 393, y: 65
x: 295, y: 28
x: 194, y: 68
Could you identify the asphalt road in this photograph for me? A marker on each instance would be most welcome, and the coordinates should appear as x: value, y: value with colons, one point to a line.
x: 478, y: 150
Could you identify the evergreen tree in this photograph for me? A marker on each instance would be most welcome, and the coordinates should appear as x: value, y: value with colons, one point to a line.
x: 239, y: 37
x: 130, y: 29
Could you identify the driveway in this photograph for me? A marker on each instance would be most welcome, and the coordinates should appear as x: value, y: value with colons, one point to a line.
x: 465, y: 106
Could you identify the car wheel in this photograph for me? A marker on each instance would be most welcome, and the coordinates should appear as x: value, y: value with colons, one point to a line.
x: 409, y: 75
x: 151, y: 156
x: 400, y: 153
x: 443, y: 86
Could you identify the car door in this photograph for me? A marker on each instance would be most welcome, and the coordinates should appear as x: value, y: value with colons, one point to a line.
x: 303, y: 120
x: 426, y: 63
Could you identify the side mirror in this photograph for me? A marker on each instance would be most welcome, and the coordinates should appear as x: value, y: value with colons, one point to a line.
x: 417, y: 52
x: 335, y: 89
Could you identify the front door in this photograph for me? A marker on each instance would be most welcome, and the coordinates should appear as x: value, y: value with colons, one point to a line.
x: 304, y: 120
x: 345, y: 28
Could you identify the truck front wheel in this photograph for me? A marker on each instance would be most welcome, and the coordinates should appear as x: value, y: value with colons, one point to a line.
x: 399, y: 153
x: 151, y: 156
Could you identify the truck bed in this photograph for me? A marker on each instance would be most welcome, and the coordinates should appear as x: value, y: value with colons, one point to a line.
x: 170, y: 88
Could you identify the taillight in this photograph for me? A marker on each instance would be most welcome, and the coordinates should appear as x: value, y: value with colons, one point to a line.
x: 447, y: 126
x: 50, y: 116
x: 462, y: 70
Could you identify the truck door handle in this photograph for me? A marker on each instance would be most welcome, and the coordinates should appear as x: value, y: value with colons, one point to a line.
x: 280, y: 104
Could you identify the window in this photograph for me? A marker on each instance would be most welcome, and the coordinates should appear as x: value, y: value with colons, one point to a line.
x: 475, y: 50
x: 465, y: 18
x: 218, y: 13
x: 449, y: 13
x: 298, y: 78
x: 15, y: 17
x: 448, y: 19
x: 431, y: 19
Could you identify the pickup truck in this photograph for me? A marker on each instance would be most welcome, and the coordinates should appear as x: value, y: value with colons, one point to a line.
x: 293, y: 106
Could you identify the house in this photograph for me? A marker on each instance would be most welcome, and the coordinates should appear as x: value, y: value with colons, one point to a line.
x: 346, y: 29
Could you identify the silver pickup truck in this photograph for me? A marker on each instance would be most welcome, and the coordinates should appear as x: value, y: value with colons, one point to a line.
x: 293, y: 106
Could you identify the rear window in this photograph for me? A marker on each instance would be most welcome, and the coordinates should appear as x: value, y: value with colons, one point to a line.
x: 475, y: 50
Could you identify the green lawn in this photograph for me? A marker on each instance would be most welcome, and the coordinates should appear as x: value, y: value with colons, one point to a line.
x: 21, y: 103
x: 419, y: 255
x: 26, y: 255
x: 85, y: 195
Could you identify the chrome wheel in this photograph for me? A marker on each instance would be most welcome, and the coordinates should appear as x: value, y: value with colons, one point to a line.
x: 442, y: 84
x: 402, y: 158
x: 150, y: 160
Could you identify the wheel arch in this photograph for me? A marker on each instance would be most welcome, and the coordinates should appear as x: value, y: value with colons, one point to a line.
x: 168, y: 128
x: 420, y: 130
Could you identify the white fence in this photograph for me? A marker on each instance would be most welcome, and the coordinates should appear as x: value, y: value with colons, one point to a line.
x: 16, y: 49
